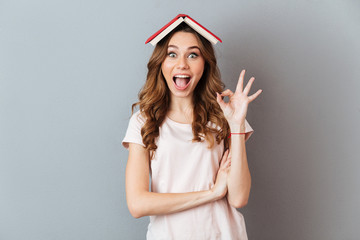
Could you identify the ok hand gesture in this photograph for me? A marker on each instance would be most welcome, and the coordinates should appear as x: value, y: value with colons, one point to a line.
x: 235, y: 110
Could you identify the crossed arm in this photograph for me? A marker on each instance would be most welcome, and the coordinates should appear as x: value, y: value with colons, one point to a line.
x: 141, y: 202
x: 239, y: 178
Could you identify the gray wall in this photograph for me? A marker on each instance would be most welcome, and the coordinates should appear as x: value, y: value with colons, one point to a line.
x: 69, y: 71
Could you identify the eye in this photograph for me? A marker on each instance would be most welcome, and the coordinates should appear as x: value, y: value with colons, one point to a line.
x: 193, y: 55
x: 172, y: 54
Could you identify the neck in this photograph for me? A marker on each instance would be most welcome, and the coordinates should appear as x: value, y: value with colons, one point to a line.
x: 181, y: 105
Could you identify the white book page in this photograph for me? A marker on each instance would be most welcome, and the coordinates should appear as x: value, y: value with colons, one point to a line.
x: 166, y: 31
x: 201, y: 31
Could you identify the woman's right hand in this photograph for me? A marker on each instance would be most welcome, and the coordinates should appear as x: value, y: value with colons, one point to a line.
x: 220, y: 187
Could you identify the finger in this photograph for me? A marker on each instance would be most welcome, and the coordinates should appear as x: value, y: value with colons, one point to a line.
x: 227, y: 92
x: 224, y: 158
x: 255, y: 95
x: 228, y: 162
x: 220, y: 101
x: 227, y: 170
x: 248, y: 86
x: 226, y: 165
x: 239, y: 86
x: 226, y: 154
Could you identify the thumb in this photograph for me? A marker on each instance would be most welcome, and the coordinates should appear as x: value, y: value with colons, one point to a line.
x: 220, y: 101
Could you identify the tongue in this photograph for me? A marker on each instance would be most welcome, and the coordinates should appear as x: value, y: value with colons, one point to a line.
x: 181, y: 82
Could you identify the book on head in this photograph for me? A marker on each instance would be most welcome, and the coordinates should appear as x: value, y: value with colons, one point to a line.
x: 155, y: 38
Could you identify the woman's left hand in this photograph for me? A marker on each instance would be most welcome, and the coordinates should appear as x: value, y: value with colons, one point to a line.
x: 235, y: 110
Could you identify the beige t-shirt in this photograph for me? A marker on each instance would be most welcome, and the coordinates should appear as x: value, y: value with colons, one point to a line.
x: 180, y: 166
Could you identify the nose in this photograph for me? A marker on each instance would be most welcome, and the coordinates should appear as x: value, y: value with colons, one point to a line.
x: 182, y: 63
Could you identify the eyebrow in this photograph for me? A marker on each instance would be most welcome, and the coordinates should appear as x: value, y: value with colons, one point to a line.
x: 192, y: 47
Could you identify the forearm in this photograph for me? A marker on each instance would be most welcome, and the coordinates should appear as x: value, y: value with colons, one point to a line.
x: 141, y: 202
x: 150, y: 203
x: 239, y: 179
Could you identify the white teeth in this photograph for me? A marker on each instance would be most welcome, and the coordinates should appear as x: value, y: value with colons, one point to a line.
x: 182, y: 76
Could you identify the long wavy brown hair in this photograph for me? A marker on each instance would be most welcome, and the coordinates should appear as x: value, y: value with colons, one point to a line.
x: 154, y: 97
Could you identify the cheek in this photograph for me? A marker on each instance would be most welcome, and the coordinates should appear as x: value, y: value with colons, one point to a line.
x: 200, y: 68
x: 165, y: 71
x: 166, y: 66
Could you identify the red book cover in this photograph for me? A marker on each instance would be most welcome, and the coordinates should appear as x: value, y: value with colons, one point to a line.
x: 204, y: 28
x: 173, y: 20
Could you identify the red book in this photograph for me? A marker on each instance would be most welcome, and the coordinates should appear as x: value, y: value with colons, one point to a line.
x: 154, y: 39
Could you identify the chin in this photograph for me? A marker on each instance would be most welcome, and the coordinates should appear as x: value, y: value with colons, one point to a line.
x: 181, y: 94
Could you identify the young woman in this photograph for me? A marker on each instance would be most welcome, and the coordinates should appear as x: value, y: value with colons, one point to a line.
x: 180, y: 138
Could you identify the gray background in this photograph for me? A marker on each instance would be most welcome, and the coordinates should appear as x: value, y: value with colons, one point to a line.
x: 69, y: 71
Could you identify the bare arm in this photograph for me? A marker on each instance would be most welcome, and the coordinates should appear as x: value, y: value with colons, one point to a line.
x: 239, y: 178
x: 141, y: 202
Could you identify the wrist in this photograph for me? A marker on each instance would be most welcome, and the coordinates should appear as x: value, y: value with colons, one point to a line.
x: 237, y: 128
x: 216, y: 195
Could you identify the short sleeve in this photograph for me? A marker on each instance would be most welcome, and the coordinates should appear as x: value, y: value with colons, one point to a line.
x: 133, y: 132
x: 248, y: 130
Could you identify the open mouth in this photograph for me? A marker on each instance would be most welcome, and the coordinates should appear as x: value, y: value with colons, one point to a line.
x: 181, y: 81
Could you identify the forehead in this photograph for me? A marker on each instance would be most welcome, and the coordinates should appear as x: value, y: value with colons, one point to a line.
x: 184, y: 40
